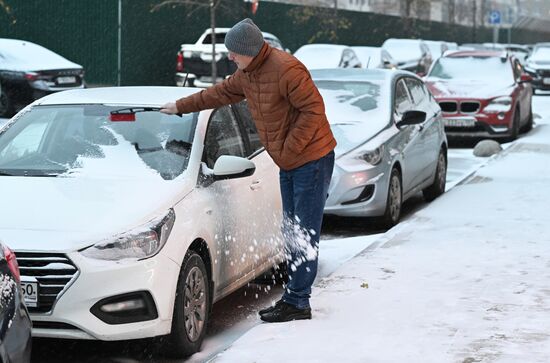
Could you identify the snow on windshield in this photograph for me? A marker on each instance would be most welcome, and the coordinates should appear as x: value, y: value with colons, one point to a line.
x: 314, y: 57
x: 82, y: 140
x: 355, y: 110
x: 541, y: 54
x: 489, y: 69
x: 403, y: 50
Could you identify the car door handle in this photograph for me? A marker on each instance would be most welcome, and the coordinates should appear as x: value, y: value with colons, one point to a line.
x: 256, y: 184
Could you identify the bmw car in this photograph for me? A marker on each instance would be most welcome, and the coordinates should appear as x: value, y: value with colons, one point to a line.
x: 129, y: 223
x: 391, y: 142
x: 483, y: 94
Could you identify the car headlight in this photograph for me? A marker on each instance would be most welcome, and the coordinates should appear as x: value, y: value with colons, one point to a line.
x: 373, y: 157
x: 140, y: 243
x: 499, y: 104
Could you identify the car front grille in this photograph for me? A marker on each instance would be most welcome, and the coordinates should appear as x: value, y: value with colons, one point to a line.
x: 464, y: 107
x: 544, y: 72
x: 469, y: 107
x: 448, y: 106
x: 54, y: 272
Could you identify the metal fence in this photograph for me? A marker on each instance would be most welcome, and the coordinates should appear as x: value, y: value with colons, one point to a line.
x: 86, y: 32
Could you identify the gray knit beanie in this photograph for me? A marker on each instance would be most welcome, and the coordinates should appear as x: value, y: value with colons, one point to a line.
x: 245, y: 38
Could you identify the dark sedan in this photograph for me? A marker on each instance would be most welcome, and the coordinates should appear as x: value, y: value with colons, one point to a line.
x: 482, y: 94
x: 15, y: 324
x: 29, y: 71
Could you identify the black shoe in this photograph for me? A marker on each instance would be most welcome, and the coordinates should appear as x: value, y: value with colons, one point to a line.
x: 286, y: 312
x: 271, y: 308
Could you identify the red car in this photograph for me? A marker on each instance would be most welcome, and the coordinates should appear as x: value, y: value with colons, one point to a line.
x: 482, y: 94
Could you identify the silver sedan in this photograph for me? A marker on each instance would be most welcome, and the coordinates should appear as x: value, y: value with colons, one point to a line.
x: 391, y: 141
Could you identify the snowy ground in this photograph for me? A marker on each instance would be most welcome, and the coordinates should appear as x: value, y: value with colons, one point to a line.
x: 464, y: 279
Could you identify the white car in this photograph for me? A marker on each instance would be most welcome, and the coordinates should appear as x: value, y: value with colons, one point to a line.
x: 128, y: 223
x: 322, y: 56
x: 374, y: 57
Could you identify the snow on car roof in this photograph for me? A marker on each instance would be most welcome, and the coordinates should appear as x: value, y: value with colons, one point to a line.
x: 475, y: 53
x: 354, y: 74
x: 23, y: 55
x: 152, y: 96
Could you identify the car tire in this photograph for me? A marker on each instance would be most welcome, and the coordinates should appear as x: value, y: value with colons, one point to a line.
x: 6, y: 104
x: 529, y: 125
x: 438, y: 186
x: 192, y: 300
x: 394, y: 201
x: 515, y: 125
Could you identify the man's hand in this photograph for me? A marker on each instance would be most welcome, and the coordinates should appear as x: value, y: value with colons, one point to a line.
x: 169, y: 108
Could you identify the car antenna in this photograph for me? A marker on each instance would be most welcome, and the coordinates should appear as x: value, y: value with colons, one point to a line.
x: 368, y: 62
x: 185, y: 80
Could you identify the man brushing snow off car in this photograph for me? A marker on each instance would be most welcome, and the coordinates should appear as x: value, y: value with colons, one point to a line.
x: 289, y: 114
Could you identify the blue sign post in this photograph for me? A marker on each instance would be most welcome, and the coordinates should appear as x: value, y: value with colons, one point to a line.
x: 495, y: 17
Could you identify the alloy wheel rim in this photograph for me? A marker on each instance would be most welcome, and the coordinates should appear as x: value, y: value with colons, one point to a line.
x: 194, y: 306
x: 395, y: 198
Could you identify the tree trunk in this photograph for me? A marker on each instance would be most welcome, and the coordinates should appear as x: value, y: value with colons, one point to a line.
x: 213, y: 26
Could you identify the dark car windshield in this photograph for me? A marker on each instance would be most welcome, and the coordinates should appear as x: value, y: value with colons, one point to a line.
x: 85, y: 140
x: 488, y: 69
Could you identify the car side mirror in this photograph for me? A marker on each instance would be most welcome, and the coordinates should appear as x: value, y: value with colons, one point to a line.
x: 231, y: 167
x: 525, y: 78
x: 412, y: 118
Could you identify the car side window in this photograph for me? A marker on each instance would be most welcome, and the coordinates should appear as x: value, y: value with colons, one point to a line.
x: 249, y: 127
x: 402, y: 101
x: 223, y: 137
x: 417, y: 92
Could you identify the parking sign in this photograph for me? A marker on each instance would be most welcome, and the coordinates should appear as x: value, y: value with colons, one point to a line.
x: 494, y: 17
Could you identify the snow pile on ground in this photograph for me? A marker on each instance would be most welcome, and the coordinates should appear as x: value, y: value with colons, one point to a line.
x: 464, y: 280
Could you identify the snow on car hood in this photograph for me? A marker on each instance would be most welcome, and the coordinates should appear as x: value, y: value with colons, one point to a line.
x: 19, y: 55
x: 467, y: 88
x: 354, y: 116
x: 69, y: 213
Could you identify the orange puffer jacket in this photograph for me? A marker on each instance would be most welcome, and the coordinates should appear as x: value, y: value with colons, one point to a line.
x: 284, y: 102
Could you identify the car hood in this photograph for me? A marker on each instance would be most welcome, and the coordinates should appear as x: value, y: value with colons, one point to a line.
x: 67, y: 214
x: 467, y: 88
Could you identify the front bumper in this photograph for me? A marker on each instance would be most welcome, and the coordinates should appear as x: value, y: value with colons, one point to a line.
x: 479, y: 125
x: 72, y: 318
x: 360, y: 193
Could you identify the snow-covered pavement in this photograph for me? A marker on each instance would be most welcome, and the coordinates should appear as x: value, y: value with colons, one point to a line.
x: 463, y: 280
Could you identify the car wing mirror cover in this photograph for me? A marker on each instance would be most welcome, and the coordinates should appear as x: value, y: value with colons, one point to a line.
x: 412, y: 118
x: 231, y: 167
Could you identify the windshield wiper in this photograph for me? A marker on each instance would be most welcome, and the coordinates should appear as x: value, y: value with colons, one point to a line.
x: 133, y: 110
x: 3, y: 173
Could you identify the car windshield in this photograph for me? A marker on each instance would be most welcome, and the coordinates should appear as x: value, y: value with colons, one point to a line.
x: 356, y: 110
x: 541, y: 54
x: 489, y: 69
x: 319, y: 57
x: 403, y: 50
x: 73, y: 140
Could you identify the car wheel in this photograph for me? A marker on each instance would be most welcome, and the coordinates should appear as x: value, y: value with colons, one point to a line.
x: 438, y: 186
x: 529, y: 125
x: 191, y: 309
x: 515, y: 126
x: 6, y: 106
x: 394, y: 200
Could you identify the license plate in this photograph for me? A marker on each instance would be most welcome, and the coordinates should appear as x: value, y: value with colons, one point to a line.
x: 66, y: 80
x: 458, y: 122
x: 546, y: 80
x: 30, y: 293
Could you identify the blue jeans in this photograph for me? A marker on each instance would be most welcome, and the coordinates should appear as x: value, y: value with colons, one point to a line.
x: 304, y: 191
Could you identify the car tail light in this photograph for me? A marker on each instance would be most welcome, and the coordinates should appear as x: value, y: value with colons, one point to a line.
x: 31, y: 76
x: 179, y: 62
x: 12, y: 263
